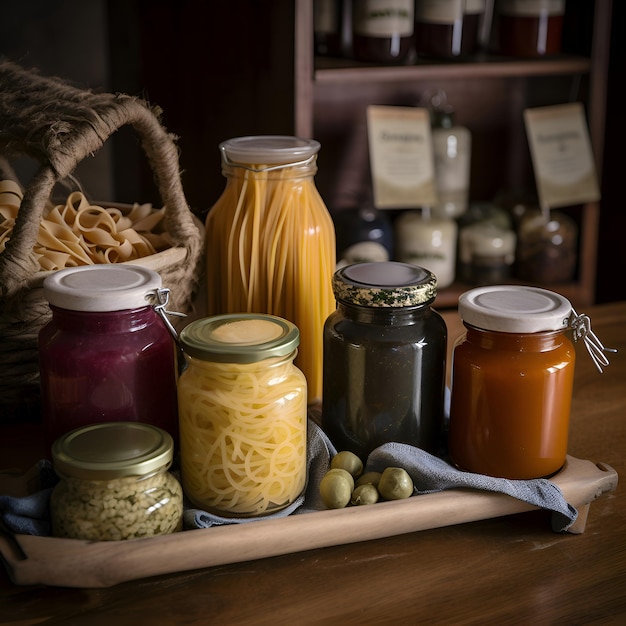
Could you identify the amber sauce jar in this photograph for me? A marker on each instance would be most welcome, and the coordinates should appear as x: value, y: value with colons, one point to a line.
x: 512, y: 381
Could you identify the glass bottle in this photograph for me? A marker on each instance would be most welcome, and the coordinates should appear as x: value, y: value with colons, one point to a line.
x: 106, y: 355
x: 243, y: 415
x: 384, y: 359
x: 512, y: 381
x: 270, y: 241
x: 528, y: 28
x: 447, y: 28
x: 115, y: 484
x: 382, y: 30
x: 327, y: 27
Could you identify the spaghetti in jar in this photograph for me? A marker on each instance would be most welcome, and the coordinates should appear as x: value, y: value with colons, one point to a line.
x: 271, y: 241
x: 243, y: 415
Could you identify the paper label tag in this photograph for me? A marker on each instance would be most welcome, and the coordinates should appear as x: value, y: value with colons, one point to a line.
x: 401, y: 157
x: 561, y: 153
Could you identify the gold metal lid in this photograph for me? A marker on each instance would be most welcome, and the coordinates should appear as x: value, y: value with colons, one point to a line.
x: 112, y: 450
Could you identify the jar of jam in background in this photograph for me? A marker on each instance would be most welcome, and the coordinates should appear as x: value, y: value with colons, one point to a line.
x: 115, y: 484
x: 106, y: 355
x: 382, y: 30
x: 243, y: 415
x: 528, y: 28
x: 384, y: 359
x: 512, y: 381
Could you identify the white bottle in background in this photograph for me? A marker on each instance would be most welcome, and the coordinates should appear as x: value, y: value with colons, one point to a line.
x: 428, y: 241
x: 452, y: 152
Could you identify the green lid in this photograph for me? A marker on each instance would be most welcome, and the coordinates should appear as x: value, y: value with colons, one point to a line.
x: 384, y: 284
x: 239, y: 338
x: 112, y: 450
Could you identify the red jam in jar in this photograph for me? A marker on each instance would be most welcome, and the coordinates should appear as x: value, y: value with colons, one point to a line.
x: 106, y: 356
x: 512, y: 381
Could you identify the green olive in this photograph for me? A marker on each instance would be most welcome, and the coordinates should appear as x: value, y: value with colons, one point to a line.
x: 348, y: 461
x: 336, y: 488
x: 369, y: 478
x: 395, y: 484
x: 364, y: 494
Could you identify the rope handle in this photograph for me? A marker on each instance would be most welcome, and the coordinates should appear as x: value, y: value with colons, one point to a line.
x: 60, y: 125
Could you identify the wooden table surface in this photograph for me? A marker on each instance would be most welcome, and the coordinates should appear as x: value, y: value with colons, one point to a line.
x: 509, y: 570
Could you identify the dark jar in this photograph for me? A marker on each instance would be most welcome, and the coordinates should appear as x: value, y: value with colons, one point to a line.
x: 512, y: 382
x: 384, y: 359
x: 106, y: 355
x: 382, y: 30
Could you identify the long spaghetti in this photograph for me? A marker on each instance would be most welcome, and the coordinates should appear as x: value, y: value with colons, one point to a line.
x: 243, y: 435
x: 271, y: 249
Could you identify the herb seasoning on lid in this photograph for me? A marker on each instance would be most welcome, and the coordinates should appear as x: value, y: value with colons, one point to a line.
x: 384, y: 359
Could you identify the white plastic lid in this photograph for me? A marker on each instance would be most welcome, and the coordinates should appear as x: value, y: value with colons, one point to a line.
x: 514, y: 309
x: 269, y: 149
x: 114, y: 287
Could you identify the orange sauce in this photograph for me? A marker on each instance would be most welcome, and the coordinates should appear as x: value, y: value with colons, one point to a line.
x: 510, y: 403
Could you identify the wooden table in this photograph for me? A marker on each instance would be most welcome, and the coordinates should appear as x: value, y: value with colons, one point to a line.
x: 509, y: 570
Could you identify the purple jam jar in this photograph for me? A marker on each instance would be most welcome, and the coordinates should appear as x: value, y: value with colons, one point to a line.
x: 106, y: 355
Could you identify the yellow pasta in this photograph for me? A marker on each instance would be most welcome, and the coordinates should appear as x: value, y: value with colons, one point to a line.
x: 79, y: 233
x: 271, y: 249
x: 243, y: 435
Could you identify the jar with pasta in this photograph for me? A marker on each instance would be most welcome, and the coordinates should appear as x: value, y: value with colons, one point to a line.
x: 243, y: 415
x: 115, y: 484
x: 106, y: 355
x: 271, y: 241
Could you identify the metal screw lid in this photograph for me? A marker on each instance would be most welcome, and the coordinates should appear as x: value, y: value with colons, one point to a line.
x: 268, y: 149
x: 112, y: 450
x: 384, y: 284
x: 239, y: 338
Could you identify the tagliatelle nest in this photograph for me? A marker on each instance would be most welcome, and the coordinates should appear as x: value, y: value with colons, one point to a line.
x: 80, y: 233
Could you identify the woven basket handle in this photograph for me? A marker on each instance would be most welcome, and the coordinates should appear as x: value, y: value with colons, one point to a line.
x: 59, y: 126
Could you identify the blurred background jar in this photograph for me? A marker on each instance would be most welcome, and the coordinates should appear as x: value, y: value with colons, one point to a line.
x: 327, y: 27
x: 427, y: 241
x: 382, y: 30
x: 527, y: 28
x: 447, y: 28
x: 363, y: 234
x: 547, y: 250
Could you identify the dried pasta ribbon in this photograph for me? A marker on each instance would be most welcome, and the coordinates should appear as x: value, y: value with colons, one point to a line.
x: 80, y: 233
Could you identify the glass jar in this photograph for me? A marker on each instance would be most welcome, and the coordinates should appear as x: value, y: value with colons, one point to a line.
x: 528, y: 28
x: 382, y: 30
x: 271, y: 242
x: 547, y: 247
x: 243, y: 415
x: 115, y: 484
x: 429, y: 242
x: 384, y: 359
x: 512, y: 381
x: 327, y: 27
x: 106, y: 355
x: 447, y: 28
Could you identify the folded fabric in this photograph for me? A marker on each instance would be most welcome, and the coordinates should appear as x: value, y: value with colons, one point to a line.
x: 30, y: 514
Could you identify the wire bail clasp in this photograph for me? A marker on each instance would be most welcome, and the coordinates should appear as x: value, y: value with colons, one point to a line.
x: 581, y: 327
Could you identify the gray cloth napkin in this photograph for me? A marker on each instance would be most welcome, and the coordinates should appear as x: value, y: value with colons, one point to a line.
x: 30, y: 514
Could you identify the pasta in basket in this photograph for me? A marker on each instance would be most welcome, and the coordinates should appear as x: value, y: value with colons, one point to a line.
x: 80, y: 233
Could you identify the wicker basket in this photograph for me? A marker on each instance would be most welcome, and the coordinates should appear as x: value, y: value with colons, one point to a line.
x: 58, y: 126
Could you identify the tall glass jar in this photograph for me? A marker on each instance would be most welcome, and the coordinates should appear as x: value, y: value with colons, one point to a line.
x: 106, y: 355
x: 512, y: 381
x: 271, y: 241
x: 114, y: 483
x: 384, y: 359
x: 243, y: 415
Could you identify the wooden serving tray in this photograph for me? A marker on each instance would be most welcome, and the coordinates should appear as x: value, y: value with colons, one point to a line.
x: 32, y: 560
